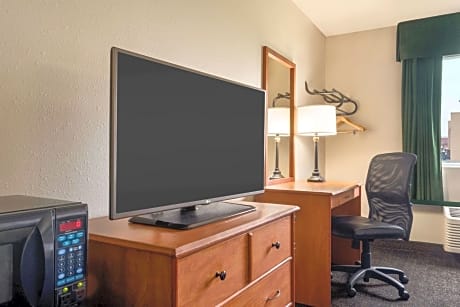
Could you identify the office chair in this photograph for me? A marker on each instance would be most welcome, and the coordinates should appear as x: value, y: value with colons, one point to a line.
x: 390, y: 217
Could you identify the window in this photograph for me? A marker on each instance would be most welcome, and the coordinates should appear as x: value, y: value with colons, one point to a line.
x: 450, y: 127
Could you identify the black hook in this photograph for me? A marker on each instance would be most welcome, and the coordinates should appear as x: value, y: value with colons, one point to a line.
x: 335, y: 97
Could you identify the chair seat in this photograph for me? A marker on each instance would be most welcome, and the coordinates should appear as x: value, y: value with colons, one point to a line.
x: 361, y: 228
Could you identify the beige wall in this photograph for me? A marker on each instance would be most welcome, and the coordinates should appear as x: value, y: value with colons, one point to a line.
x: 362, y: 65
x: 55, y: 84
x: 54, y: 110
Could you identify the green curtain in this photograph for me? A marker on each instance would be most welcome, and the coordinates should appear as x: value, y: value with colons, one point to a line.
x: 421, y: 124
x: 428, y: 37
x: 420, y: 46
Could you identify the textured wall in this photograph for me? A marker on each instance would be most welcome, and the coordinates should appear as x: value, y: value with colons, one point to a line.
x: 54, y: 76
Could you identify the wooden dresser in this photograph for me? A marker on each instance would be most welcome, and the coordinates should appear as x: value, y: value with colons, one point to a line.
x: 242, y: 261
x: 315, y: 246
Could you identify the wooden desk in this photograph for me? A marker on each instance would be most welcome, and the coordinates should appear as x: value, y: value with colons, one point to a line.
x: 139, y: 265
x: 314, y: 247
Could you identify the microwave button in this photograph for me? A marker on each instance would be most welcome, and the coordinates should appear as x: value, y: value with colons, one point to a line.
x: 66, y: 243
x: 79, y: 270
x: 61, y: 251
x: 61, y: 258
x: 69, y: 273
x: 75, y: 241
x: 61, y: 263
x: 61, y: 276
x: 70, y: 279
x: 79, y: 276
x: 60, y: 283
x: 80, y: 234
x: 61, y: 238
x: 71, y: 236
x: 60, y: 270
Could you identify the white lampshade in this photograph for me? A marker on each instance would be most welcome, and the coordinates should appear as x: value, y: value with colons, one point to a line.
x: 278, y: 121
x: 316, y: 120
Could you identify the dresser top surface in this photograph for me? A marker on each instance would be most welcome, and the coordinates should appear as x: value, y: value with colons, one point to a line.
x: 303, y: 186
x: 181, y: 242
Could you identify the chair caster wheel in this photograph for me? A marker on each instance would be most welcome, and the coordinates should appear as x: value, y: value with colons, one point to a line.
x: 404, y: 295
x: 351, y: 292
x: 403, y: 279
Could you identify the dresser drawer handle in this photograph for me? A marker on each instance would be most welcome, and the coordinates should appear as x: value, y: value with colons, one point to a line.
x: 276, y: 244
x: 275, y: 296
x: 221, y: 275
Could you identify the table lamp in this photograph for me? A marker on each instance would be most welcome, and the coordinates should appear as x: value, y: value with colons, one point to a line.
x: 278, y: 126
x: 316, y: 121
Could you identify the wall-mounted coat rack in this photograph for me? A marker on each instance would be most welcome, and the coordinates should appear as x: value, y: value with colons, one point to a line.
x: 343, y: 104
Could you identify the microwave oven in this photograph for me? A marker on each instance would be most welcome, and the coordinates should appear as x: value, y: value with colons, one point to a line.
x: 43, y: 251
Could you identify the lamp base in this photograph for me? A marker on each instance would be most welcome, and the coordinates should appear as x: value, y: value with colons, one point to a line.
x: 315, y: 178
x: 276, y: 174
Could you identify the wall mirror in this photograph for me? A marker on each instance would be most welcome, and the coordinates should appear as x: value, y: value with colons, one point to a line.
x: 278, y: 79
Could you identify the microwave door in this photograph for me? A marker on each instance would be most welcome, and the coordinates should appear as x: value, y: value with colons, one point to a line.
x: 26, y: 243
x: 6, y: 273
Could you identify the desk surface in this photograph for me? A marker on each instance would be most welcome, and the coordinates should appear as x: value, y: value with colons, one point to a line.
x: 328, y: 187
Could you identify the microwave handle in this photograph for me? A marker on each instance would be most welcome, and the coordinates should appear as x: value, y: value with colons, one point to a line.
x: 32, y: 267
x: 37, y: 264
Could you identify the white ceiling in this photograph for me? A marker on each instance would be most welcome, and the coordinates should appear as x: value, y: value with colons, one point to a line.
x: 335, y: 17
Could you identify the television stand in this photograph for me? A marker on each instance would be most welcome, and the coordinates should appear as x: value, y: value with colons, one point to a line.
x: 194, y: 216
x: 139, y: 265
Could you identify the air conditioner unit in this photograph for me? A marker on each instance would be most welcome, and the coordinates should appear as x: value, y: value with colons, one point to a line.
x: 452, y: 229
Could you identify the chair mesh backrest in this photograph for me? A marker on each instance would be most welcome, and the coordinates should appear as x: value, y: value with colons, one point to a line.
x: 388, y: 187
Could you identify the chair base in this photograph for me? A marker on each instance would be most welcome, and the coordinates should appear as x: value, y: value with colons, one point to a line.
x: 379, y: 273
x: 366, y: 271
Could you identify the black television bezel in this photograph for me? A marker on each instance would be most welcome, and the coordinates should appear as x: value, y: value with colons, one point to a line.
x: 113, y: 214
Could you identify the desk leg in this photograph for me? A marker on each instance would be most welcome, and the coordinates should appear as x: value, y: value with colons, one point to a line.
x: 342, y: 252
x: 313, y: 245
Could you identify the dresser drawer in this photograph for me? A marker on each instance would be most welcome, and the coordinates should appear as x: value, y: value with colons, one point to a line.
x: 272, y: 290
x: 199, y: 283
x: 269, y: 246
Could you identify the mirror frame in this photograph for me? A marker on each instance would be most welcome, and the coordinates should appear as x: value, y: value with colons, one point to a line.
x: 268, y: 53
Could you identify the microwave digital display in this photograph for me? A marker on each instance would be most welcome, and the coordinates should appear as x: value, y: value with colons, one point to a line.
x: 70, y: 225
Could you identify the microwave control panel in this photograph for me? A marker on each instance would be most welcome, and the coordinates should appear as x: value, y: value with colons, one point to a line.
x: 70, y: 260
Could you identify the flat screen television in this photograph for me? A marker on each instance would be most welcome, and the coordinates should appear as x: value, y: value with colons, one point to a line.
x: 181, y: 143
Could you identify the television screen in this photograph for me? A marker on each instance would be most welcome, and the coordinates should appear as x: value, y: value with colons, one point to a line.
x: 180, y: 138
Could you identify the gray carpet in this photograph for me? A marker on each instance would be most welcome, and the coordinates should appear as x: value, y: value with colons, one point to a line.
x: 434, y: 277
